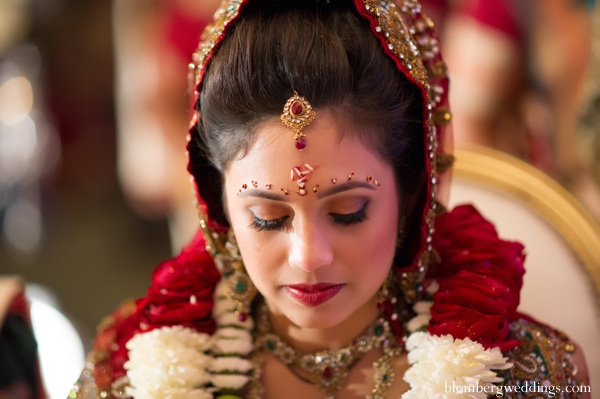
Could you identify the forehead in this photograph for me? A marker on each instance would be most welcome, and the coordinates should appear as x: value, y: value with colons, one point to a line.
x: 333, y: 154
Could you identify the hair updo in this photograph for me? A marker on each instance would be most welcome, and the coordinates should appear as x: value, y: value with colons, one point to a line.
x: 326, y: 52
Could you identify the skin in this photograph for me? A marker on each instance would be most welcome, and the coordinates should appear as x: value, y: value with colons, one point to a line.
x: 311, y: 247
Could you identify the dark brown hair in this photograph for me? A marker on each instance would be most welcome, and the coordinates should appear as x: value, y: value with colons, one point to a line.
x: 326, y: 52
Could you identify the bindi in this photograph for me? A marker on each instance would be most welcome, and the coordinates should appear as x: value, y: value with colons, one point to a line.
x: 300, y: 175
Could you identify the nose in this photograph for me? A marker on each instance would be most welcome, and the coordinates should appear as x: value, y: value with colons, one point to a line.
x: 310, y: 248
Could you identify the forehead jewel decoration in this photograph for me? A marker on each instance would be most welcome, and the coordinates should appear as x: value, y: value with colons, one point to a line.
x: 297, y: 114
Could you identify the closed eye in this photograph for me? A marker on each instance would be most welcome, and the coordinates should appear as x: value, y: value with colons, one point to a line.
x: 351, y: 218
x: 268, y: 225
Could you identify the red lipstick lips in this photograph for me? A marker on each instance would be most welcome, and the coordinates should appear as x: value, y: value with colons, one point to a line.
x: 315, y: 294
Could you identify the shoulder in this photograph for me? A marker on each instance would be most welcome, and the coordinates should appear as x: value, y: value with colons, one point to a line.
x: 546, y: 361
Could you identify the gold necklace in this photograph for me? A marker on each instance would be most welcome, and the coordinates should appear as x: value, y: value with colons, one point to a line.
x: 327, y: 369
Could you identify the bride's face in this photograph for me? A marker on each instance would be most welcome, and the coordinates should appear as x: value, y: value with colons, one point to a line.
x: 321, y: 257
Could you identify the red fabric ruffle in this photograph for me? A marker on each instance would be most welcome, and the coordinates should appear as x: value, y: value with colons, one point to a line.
x: 480, y: 278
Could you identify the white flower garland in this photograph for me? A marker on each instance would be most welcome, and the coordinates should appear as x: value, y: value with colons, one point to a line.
x: 232, y: 342
x: 168, y: 363
x: 179, y: 362
x: 443, y: 367
x: 421, y: 320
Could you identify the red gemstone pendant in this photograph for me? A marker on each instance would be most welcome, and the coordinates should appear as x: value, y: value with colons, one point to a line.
x: 327, y: 373
x: 300, y: 143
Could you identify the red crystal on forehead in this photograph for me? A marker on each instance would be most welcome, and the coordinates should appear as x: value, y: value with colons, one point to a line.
x: 296, y: 108
x: 327, y: 372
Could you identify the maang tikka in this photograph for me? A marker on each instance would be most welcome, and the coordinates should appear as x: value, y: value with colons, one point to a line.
x: 297, y: 114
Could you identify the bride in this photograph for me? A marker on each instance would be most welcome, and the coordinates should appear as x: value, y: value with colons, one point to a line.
x: 327, y: 264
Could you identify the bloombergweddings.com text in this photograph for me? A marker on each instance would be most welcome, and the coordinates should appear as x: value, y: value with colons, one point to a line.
x: 528, y: 387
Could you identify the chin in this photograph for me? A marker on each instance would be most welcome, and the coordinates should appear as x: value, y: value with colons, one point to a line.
x: 317, y: 317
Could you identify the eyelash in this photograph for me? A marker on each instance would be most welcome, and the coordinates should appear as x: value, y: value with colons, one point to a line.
x: 341, y: 219
x: 268, y: 225
x: 351, y: 218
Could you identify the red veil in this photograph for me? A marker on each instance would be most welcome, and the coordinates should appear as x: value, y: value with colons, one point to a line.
x: 479, y: 276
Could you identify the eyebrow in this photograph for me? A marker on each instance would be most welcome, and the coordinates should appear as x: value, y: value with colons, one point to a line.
x: 345, y: 187
x: 263, y: 194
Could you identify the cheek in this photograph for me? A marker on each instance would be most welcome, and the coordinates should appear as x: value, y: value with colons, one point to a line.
x: 375, y: 251
x: 262, y: 253
x: 252, y: 253
x: 259, y: 250
x: 375, y: 243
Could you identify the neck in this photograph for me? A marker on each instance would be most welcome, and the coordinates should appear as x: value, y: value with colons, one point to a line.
x: 336, y: 337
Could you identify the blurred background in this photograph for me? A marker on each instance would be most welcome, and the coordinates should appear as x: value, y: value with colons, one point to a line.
x: 93, y: 119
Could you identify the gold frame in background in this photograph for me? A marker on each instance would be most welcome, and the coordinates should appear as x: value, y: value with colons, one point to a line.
x: 509, y: 175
